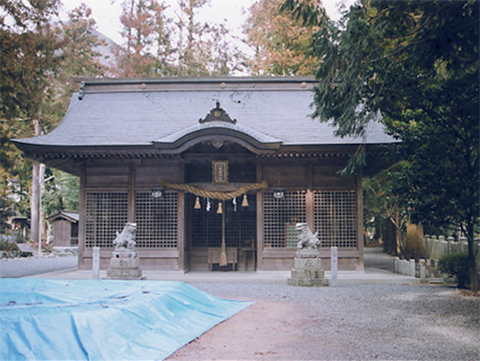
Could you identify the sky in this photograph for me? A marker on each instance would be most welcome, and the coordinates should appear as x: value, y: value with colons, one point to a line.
x: 233, y: 12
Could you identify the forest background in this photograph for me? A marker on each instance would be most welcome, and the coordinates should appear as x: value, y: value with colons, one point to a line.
x: 415, y: 63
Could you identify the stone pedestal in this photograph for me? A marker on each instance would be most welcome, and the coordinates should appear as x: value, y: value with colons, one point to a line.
x: 124, y: 265
x: 308, y: 270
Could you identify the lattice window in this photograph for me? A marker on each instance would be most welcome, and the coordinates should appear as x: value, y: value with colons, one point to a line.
x: 280, y: 215
x: 156, y: 220
x: 336, y: 218
x: 106, y: 213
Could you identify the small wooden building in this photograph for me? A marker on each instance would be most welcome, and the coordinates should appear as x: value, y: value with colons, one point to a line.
x: 65, y: 228
x: 21, y: 225
x: 195, y: 162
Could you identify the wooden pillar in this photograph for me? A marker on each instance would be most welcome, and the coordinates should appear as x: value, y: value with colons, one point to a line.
x: 82, y: 216
x: 181, y: 224
x: 131, y: 195
x: 360, y: 240
x: 187, y: 237
x: 309, y: 198
x: 259, y: 218
x: 181, y: 230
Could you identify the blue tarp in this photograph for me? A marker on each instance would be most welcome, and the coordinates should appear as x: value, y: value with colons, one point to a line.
x: 104, y: 320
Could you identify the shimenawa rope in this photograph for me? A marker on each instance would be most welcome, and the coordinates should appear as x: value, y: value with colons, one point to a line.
x: 223, y: 196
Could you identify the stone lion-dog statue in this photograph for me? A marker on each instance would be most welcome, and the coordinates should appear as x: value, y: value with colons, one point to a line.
x: 306, y: 239
x: 126, y: 239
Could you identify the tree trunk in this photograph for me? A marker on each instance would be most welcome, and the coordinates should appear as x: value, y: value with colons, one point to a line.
x: 35, y: 203
x: 398, y: 233
x: 390, y: 239
x: 398, y: 240
x: 36, y: 195
x: 41, y: 223
x: 471, y: 258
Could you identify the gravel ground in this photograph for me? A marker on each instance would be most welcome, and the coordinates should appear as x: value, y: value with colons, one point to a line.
x: 23, y: 267
x: 355, y: 322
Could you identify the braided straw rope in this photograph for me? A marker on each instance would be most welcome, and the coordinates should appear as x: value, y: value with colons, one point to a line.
x: 429, y: 269
x: 428, y: 266
x: 223, y: 196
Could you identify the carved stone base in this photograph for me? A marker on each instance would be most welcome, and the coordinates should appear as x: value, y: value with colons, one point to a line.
x: 125, y: 274
x: 124, y: 265
x: 308, y: 270
x: 307, y: 273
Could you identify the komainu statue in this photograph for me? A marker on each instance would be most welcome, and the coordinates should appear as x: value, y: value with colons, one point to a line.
x: 306, y: 239
x: 124, y: 264
x: 126, y: 239
x: 307, y: 271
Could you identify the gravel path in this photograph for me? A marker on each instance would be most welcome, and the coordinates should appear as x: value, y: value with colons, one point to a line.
x: 351, y: 322
x: 374, y: 257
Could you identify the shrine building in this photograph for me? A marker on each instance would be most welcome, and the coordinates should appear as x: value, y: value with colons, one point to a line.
x: 197, y: 162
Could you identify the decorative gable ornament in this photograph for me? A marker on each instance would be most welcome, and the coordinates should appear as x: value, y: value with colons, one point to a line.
x: 218, y: 114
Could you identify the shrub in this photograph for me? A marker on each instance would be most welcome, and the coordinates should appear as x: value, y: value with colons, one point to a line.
x: 456, y: 264
x: 8, y: 246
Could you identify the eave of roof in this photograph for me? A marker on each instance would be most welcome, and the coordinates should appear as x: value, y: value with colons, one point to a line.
x: 67, y: 215
x: 220, y: 131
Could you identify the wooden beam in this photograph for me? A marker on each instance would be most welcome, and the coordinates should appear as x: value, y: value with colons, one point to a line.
x: 82, y: 216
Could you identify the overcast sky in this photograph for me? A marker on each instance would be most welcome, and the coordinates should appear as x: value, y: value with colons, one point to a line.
x: 232, y: 12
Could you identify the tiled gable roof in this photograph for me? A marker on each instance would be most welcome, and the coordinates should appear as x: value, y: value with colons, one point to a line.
x: 136, y: 113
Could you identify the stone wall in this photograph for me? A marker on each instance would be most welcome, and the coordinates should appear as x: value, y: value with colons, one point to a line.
x: 436, y: 247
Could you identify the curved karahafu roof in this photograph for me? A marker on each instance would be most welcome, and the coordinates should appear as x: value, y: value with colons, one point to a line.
x: 168, y: 115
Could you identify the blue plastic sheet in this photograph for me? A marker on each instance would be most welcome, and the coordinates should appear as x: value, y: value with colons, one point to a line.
x: 104, y: 320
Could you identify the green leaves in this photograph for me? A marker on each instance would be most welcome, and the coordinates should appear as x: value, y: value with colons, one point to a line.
x: 416, y: 62
x: 310, y: 13
x: 156, y: 44
x: 456, y: 264
x: 61, y: 192
x: 39, y: 56
x: 30, y: 58
x: 280, y: 39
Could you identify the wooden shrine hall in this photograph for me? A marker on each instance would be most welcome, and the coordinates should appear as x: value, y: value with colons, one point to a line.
x: 201, y: 162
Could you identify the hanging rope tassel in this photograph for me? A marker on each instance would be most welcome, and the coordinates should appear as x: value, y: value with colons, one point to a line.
x: 223, y: 255
x: 245, y: 201
x: 197, y: 204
